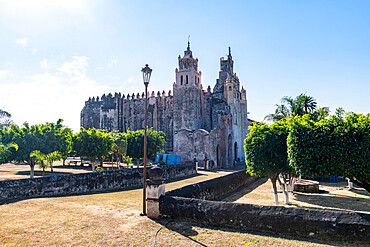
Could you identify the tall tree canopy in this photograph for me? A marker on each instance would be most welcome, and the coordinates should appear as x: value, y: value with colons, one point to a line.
x: 300, y: 105
x: 46, y: 138
x: 5, y: 119
x: 135, y: 143
x: 266, y: 153
x: 119, y: 148
x: 337, y: 145
x: 93, y: 144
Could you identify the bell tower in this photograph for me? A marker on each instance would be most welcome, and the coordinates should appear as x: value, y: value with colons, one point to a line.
x: 187, y: 74
x: 187, y: 93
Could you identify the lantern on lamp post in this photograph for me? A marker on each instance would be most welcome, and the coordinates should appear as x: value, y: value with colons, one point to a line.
x: 146, y: 78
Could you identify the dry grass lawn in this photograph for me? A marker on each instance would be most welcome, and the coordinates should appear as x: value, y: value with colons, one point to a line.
x: 112, y: 219
x: 332, y: 196
x: 18, y: 171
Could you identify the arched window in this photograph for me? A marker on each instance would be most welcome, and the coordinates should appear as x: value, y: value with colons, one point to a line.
x: 230, y: 88
x: 235, y: 151
x: 195, y: 79
x: 187, y: 79
x: 181, y: 80
x: 198, y: 80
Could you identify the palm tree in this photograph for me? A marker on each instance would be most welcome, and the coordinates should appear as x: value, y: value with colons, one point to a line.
x: 308, y: 103
x: 281, y: 112
x: 40, y: 159
x: 5, y: 120
x: 6, y: 150
x: 50, y: 158
x: 300, y: 105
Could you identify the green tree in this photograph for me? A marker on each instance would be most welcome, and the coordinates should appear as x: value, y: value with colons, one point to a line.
x: 135, y: 143
x: 266, y: 154
x: 5, y: 119
x: 46, y: 138
x: 93, y: 144
x: 308, y: 103
x: 300, y: 105
x: 40, y: 159
x: 119, y: 146
x: 6, y: 151
x: 52, y: 157
x: 28, y: 138
x: 337, y: 145
x: 281, y: 112
x: 57, y: 138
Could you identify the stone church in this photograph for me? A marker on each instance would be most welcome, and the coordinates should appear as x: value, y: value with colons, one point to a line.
x: 208, y: 125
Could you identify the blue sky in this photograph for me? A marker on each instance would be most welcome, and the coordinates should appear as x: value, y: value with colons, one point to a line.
x: 56, y: 54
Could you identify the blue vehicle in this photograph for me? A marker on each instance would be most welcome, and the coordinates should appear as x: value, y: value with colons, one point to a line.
x: 167, y: 159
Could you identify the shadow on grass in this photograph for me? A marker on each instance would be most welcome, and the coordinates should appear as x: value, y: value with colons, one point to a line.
x: 236, y: 195
x: 87, y: 168
x: 188, y: 229
x: 360, y: 191
x: 183, y: 228
x: 46, y: 173
x: 342, y: 202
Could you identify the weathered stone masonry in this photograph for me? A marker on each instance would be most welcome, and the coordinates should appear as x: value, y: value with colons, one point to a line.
x: 198, y: 123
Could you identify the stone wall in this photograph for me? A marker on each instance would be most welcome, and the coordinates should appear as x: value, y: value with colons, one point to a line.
x: 215, y: 188
x: 194, y: 203
x: 120, y: 112
x: 298, y: 222
x: 85, y: 182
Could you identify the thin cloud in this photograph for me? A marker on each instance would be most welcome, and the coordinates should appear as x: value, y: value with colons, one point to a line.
x: 22, y: 42
x: 47, y: 96
x: 75, y: 68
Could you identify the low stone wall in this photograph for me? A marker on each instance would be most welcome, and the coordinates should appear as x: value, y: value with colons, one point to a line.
x: 85, y: 182
x: 216, y: 188
x: 194, y: 203
x: 300, y: 222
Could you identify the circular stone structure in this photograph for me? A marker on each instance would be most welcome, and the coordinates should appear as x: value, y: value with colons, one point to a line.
x: 155, y: 172
x: 307, y: 186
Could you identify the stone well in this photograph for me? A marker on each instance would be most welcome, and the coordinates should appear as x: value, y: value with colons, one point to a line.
x: 307, y: 186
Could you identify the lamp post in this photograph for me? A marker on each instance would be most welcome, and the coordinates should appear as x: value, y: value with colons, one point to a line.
x: 146, y: 78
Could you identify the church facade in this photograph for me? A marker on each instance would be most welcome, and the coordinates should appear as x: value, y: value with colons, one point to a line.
x: 207, y: 125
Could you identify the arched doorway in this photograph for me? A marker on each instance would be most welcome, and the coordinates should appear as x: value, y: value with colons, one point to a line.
x: 229, y: 151
x: 235, y: 151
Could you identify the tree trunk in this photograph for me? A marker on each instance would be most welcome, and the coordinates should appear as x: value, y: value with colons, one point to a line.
x: 92, y: 161
x: 64, y: 161
x: 118, y: 161
x: 112, y: 161
x: 51, y: 168
x: 137, y: 163
x: 273, y: 181
x: 284, y: 184
x: 32, y: 172
x: 350, y: 184
x: 363, y: 183
x: 43, y: 171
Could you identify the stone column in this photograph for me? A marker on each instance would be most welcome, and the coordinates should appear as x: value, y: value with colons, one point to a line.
x: 155, y: 185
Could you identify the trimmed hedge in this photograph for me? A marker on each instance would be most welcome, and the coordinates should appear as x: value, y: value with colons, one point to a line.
x: 338, y: 145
